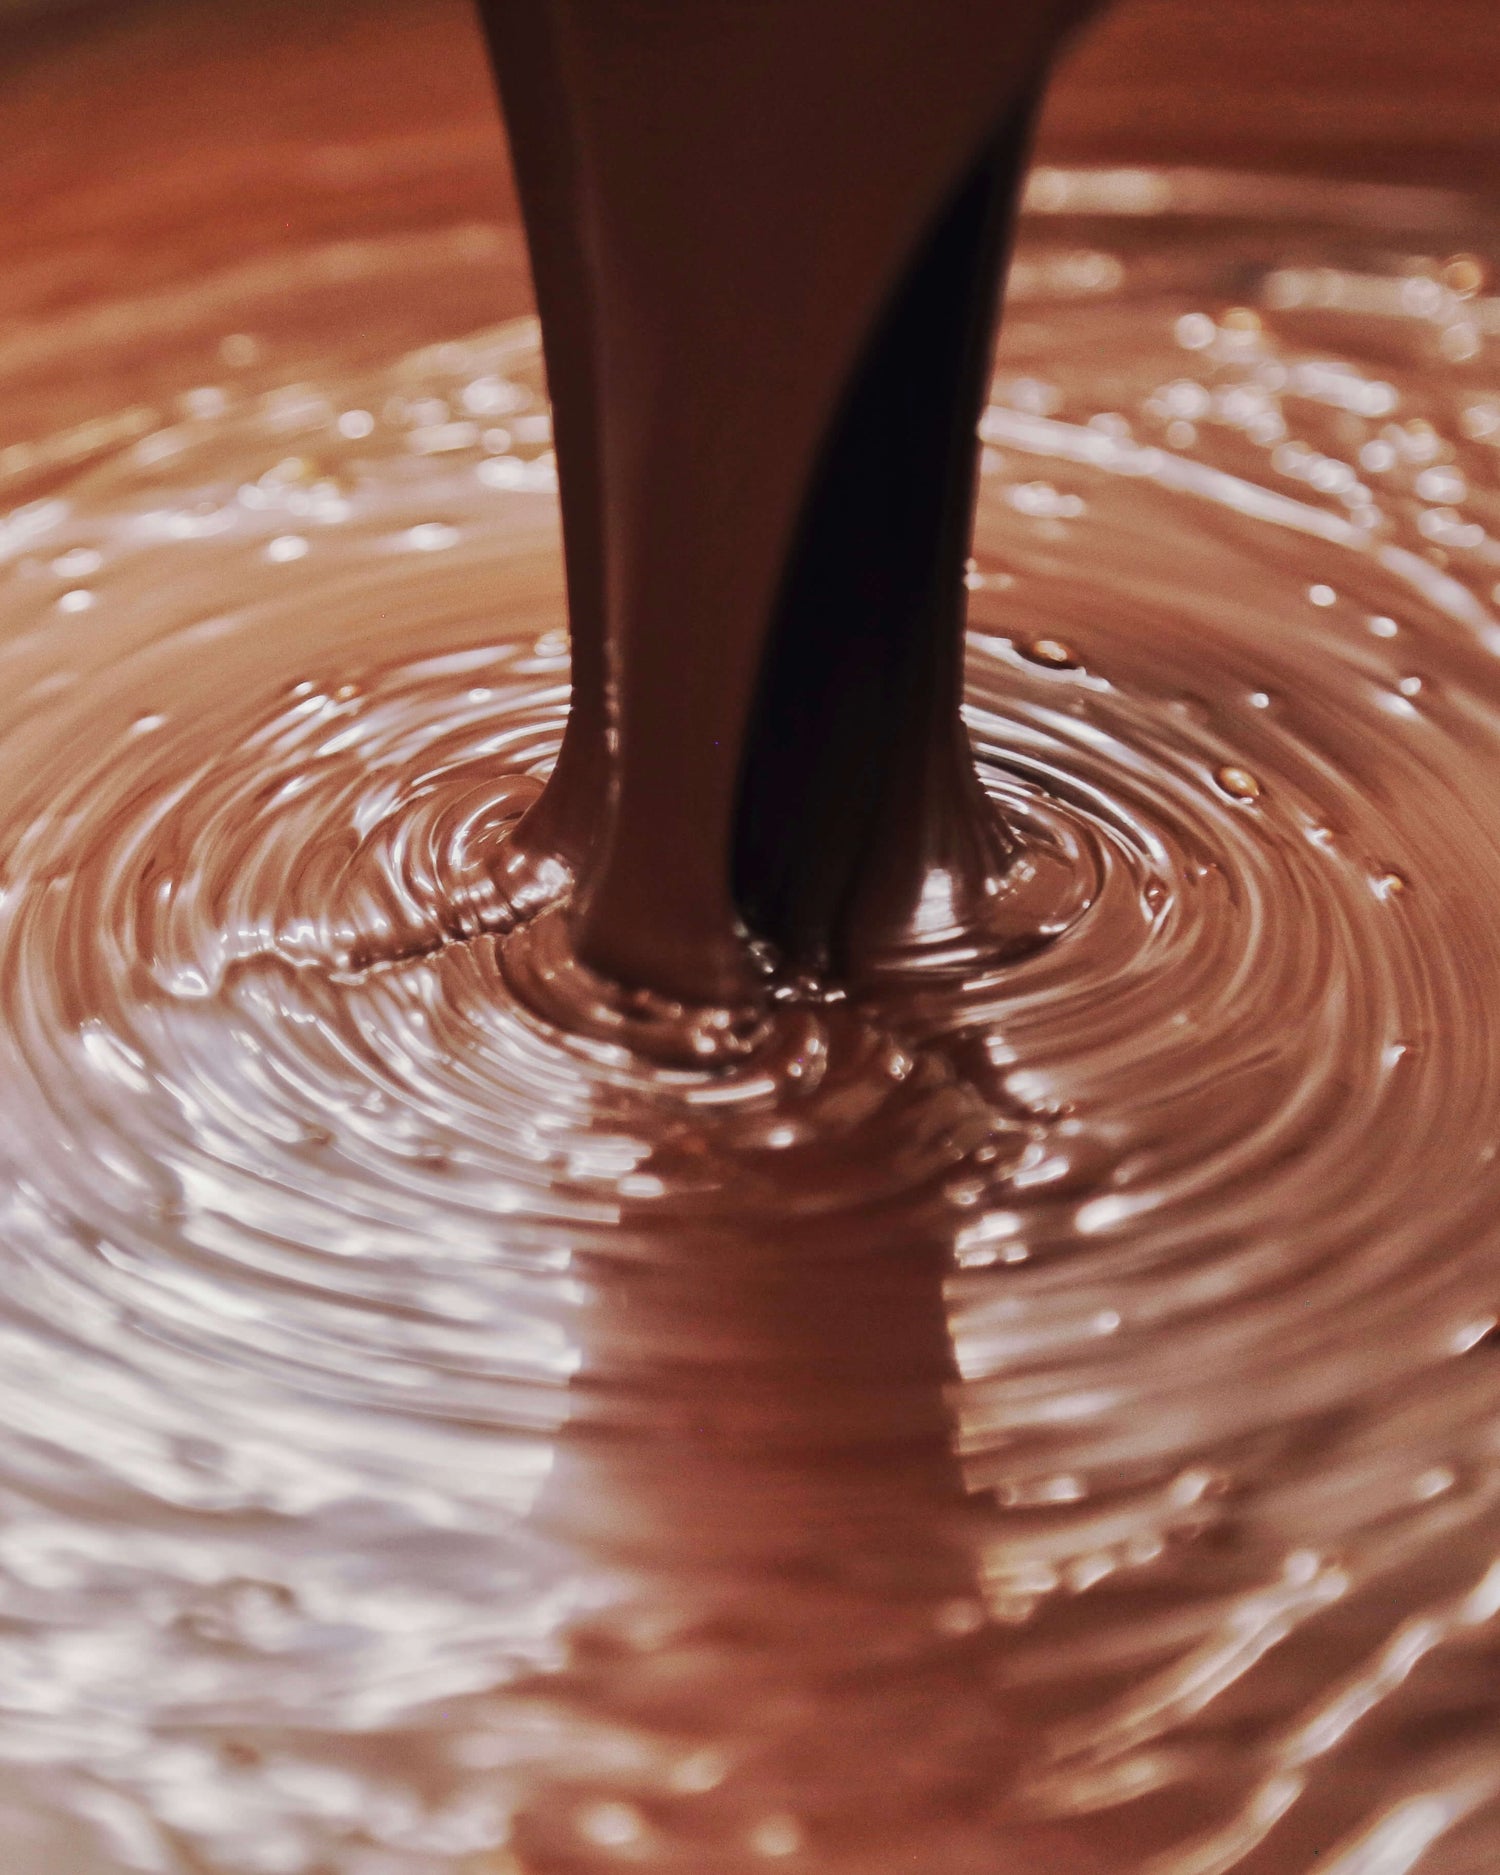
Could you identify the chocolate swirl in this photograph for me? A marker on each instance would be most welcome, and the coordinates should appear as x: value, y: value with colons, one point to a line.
x: 1044, y: 1412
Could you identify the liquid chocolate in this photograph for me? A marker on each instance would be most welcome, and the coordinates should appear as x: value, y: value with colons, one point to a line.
x: 1011, y: 1390
x: 767, y: 244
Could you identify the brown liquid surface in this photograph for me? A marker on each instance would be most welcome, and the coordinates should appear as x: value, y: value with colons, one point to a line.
x: 1043, y: 1421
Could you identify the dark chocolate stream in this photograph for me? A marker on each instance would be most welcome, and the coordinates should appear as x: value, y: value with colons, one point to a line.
x: 767, y: 243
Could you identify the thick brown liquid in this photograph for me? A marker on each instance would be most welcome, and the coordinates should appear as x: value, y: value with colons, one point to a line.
x: 1034, y: 1415
x: 767, y: 243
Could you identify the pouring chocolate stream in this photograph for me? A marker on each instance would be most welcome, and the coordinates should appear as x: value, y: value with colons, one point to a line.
x: 767, y: 244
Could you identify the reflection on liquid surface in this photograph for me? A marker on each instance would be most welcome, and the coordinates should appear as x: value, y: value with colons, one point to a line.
x: 1050, y: 1420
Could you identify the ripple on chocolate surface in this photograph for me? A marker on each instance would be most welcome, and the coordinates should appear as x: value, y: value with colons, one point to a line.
x: 1053, y: 1413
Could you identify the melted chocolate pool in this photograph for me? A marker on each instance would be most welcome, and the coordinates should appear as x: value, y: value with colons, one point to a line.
x: 1043, y: 1421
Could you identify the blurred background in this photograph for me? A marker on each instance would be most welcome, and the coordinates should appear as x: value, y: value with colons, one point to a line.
x: 97, y: 96
x: 1356, y: 85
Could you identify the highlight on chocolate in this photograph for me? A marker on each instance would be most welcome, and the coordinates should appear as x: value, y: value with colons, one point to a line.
x: 749, y: 816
